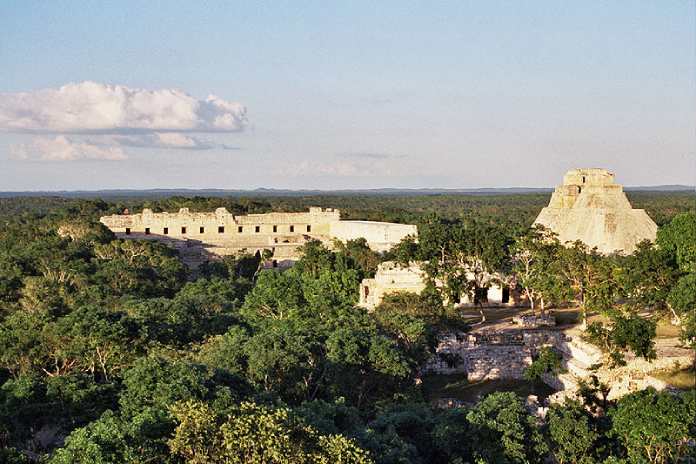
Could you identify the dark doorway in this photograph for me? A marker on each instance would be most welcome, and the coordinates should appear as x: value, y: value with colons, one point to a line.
x: 481, y: 295
x: 506, y: 295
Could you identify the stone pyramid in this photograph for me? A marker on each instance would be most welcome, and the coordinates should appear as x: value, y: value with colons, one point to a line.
x: 590, y: 207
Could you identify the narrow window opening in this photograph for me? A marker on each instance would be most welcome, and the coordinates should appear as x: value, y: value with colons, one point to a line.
x: 221, y: 229
x: 201, y: 230
x: 275, y: 229
x: 257, y: 229
x: 240, y: 229
x: 127, y: 230
x: 165, y: 231
x: 309, y: 228
x: 147, y: 231
x: 292, y: 228
x: 583, y: 179
x: 183, y: 230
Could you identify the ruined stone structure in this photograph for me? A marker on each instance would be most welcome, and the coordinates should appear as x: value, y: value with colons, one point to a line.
x: 490, y: 356
x: 392, y: 277
x: 591, y: 208
x: 506, y: 355
x: 202, y: 236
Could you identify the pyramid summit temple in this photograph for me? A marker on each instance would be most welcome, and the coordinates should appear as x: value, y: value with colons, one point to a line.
x: 592, y: 208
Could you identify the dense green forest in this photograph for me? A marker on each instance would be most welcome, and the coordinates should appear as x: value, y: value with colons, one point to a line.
x: 113, y: 351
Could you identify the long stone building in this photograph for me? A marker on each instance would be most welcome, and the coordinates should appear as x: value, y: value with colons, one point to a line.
x: 202, y: 236
x: 591, y: 208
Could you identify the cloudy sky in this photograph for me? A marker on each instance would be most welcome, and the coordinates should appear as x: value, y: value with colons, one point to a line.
x: 329, y: 94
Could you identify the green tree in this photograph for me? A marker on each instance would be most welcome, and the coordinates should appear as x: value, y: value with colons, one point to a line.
x: 679, y: 237
x: 589, y: 278
x: 359, y: 251
x: 156, y: 383
x: 138, y: 267
x: 466, y: 256
x: 654, y: 427
x: 625, y: 332
x: 547, y: 361
x: 572, y: 434
x: 647, y: 276
x: 535, y: 265
x: 406, y: 251
x: 258, y: 434
x: 505, y: 432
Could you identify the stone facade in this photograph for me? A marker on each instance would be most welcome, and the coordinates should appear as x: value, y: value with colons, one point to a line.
x: 202, y: 236
x: 591, y: 208
x: 392, y: 277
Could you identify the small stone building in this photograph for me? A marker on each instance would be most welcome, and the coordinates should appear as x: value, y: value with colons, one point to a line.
x: 391, y: 277
x: 591, y: 208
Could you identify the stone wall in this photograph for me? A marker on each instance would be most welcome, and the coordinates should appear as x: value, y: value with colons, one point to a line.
x: 381, y: 235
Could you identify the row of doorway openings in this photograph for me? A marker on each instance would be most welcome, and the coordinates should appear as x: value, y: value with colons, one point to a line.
x: 220, y: 229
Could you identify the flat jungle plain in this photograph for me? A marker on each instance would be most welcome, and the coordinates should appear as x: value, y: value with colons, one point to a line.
x: 113, y: 351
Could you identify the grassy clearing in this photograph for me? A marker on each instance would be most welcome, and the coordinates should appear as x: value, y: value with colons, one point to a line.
x: 665, y: 329
x: 566, y: 316
x: 458, y: 387
x: 679, y: 378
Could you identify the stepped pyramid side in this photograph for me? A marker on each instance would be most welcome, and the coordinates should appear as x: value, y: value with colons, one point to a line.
x: 591, y: 208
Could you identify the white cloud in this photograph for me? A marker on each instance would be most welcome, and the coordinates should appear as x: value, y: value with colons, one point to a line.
x: 175, y: 140
x: 107, y: 117
x: 62, y: 148
x: 93, y: 107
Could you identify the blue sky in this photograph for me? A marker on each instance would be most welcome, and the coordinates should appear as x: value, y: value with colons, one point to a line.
x: 346, y: 94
